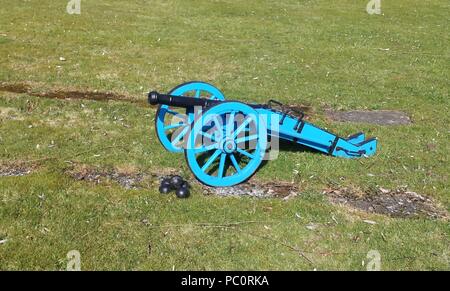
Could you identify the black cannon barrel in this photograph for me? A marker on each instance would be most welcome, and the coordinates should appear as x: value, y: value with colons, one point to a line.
x: 155, y: 98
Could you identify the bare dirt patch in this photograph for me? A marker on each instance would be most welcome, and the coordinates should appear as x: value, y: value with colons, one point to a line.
x: 381, y: 117
x: 15, y: 170
x: 399, y: 203
x: 126, y: 179
x: 136, y: 179
x: 10, y: 113
x: 297, y: 109
x: 15, y: 87
x: 68, y: 94
x: 276, y: 189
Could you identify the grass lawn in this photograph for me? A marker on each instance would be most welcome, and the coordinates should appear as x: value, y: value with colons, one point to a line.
x: 313, y: 52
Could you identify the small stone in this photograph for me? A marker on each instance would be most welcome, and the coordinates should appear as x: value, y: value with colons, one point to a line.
x: 312, y: 226
x: 290, y: 196
x: 431, y: 147
x: 369, y: 222
x: 384, y: 191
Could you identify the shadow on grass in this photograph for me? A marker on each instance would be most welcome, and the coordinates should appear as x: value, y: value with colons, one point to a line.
x: 290, y: 146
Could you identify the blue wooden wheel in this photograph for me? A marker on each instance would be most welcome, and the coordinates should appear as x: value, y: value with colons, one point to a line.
x: 226, y: 145
x: 172, y: 123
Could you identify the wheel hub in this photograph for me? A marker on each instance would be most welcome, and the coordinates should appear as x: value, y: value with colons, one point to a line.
x: 229, y: 146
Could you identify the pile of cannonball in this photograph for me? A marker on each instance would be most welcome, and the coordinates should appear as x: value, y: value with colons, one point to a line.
x: 175, y: 183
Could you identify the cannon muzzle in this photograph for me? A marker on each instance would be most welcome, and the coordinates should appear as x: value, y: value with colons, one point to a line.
x: 153, y: 98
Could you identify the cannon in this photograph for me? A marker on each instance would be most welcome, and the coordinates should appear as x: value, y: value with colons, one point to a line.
x: 225, y: 141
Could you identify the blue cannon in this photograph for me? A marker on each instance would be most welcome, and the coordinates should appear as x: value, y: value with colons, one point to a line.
x: 225, y: 142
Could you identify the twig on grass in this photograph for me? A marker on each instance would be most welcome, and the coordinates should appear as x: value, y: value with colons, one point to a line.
x: 205, y: 224
x: 292, y: 248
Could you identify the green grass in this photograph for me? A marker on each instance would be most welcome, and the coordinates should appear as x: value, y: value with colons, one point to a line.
x: 309, y: 52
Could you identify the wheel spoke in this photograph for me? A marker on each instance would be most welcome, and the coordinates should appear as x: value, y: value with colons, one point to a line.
x: 221, y: 165
x: 235, y: 163
x: 180, y: 136
x: 246, y: 138
x: 170, y: 111
x: 172, y: 126
x: 242, y: 126
x: 245, y: 153
x: 218, y: 125
x: 230, y: 125
x: 206, y: 148
x: 197, y: 93
x: 211, y: 160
